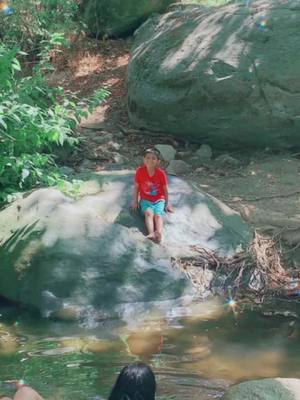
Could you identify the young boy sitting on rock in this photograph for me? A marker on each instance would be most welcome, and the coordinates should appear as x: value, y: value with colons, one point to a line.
x: 151, y: 193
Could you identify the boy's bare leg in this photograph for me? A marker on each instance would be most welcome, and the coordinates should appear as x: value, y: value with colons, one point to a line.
x: 158, y: 223
x: 5, y: 398
x: 26, y: 393
x: 149, y: 221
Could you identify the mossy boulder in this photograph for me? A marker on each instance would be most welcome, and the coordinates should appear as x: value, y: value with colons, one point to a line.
x: 115, y: 18
x: 70, y: 258
x: 227, y: 76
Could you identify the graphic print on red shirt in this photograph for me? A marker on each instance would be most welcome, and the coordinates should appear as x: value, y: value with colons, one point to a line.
x: 151, y: 187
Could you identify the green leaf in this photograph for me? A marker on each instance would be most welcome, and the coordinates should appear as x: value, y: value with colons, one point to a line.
x: 3, y: 123
x: 16, y: 65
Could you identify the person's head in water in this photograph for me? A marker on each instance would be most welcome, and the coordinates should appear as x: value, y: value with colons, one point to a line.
x: 135, y: 382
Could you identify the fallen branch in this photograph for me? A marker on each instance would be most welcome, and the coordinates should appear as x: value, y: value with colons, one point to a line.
x: 274, y: 196
x: 258, y: 269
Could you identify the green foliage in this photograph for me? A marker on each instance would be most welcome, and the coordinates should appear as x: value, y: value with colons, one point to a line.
x: 71, y: 189
x: 49, y: 46
x: 35, y: 20
x: 35, y: 118
x: 33, y: 123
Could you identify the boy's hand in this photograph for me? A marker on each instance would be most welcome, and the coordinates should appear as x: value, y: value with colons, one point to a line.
x: 134, y: 205
x: 169, y: 208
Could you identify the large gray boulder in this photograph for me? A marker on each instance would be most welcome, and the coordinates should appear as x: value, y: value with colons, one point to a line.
x: 227, y: 76
x: 114, y: 18
x: 265, y: 389
x: 69, y: 258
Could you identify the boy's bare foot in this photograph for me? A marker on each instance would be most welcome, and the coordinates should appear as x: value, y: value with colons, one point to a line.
x: 157, y: 236
x: 151, y: 236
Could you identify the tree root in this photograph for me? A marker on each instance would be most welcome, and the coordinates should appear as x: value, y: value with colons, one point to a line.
x: 258, y: 269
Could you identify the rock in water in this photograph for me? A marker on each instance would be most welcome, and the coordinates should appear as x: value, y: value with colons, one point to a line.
x: 265, y: 389
x: 227, y: 76
x: 69, y: 258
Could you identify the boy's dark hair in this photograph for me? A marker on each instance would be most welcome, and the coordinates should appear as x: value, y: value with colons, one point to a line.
x: 152, y: 150
x: 135, y: 382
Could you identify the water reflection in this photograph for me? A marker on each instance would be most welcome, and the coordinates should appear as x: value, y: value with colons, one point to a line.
x: 145, y: 344
x: 194, y: 354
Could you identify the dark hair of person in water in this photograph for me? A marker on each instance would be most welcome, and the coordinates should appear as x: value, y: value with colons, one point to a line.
x: 135, y: 382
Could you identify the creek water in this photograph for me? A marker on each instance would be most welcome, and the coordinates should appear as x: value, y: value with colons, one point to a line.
x: 194, y: 357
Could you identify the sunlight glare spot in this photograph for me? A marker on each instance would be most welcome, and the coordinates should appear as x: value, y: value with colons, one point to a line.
x: 262, y: 23
x: 231, y: 303
x: 5, y: 8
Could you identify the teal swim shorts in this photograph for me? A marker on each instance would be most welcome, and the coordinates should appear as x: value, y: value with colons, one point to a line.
x: 157, y: 207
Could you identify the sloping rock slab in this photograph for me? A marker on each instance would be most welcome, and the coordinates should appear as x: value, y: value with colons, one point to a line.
x: 68, y: 257
x: 227, y: 76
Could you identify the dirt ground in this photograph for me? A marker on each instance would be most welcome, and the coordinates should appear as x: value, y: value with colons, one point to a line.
x: 264, y: 187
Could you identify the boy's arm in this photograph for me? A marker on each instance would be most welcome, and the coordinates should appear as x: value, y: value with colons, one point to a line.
x: 135, y: 198
x: 168, y: 207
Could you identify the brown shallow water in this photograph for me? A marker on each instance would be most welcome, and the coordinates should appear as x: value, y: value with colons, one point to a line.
x: 194, y: 357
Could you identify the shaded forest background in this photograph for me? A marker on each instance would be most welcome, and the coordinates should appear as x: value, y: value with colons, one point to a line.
x: 37, y: 119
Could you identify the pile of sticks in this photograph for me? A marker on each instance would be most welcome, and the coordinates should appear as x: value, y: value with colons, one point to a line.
x: 258, y: 269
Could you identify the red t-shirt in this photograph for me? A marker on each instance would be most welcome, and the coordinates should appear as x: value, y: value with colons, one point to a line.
x: 151, y: 187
